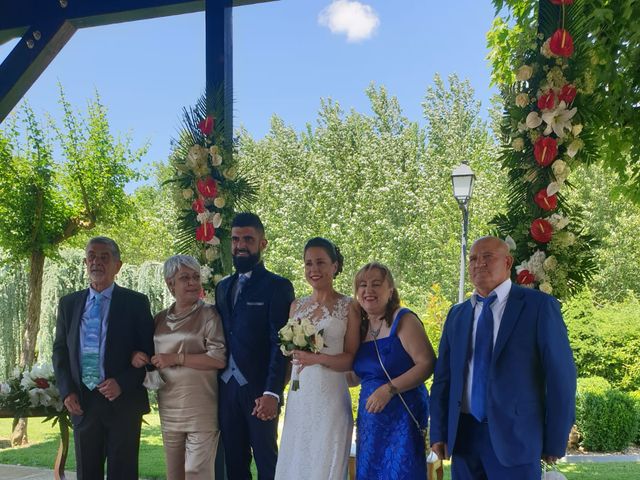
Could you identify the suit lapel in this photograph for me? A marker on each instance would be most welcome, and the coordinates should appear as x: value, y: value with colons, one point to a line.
x: 510, y: 317
x: 74, y: 329
x: 462, y: 336
x: 112, y: 322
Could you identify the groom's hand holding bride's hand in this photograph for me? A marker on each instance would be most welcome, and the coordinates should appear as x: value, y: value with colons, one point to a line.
x: 266, y: 407
x: 378, y: 399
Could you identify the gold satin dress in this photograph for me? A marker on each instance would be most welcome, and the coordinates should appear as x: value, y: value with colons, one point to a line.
x: 188, y: 402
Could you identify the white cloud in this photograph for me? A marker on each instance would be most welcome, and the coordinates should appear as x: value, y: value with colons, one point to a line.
x: 357, y: 20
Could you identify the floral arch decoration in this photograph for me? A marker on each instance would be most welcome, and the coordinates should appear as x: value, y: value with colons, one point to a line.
x: 546, y: 135
x: 209, y: 188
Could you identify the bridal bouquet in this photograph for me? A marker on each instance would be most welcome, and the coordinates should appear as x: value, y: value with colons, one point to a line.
x: 300, y: 334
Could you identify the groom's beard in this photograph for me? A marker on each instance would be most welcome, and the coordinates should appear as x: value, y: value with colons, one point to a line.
x: 246, y: 264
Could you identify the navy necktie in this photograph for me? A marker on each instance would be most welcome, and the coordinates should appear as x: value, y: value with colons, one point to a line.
x: 482, y: 358
x: 242, y: 281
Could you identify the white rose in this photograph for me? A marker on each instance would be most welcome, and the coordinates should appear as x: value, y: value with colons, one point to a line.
x: 309, y: 329
x: 216, y: 159
x: 286, y: 334
x: 546, y: 287
x: 533, y: 120
x: 187, y: 194
x: 545, y: 50
x: 203, y: 217
x: 205, y: 273
x: 574, y: 146
x: 219, y: 202
x: 297, y: 329
x: 284, y: 350
x: 524, y: 73
x: 211, y: 254
x: 559, y: 168
x: 576, y: 129
x: 550, y: 263
x: 299, y: 340
x: 319, y: 342
x: 230, y: 173
x: 522, y: 100
x: 558, y: 221
x: 518, y: 144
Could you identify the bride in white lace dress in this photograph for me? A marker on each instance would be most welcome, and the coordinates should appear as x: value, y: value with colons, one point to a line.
x: 316, y: 438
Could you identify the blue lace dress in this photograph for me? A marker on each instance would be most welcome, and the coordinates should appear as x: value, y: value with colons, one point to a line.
x: 389, y: 445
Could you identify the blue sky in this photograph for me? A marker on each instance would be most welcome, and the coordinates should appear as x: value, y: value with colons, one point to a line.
x: 285, y: 59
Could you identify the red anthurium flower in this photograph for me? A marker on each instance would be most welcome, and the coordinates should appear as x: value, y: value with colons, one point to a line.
x: 561, y: 43
x: 568, y: 93
x: 198, y: 205
x: 205, y: 232
x: 207, y: 187
x: 545, y: 150
x: 546, y: 202
x: 561, y: 2
x: 541, y: 230
x: 525, y: 277
x: 547, y: 101
x: 206, y: 125
x: 41, y: 382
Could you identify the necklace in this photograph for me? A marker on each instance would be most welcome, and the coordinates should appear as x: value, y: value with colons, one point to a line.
x: 374, y: 332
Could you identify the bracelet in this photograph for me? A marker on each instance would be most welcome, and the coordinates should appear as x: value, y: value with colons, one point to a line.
x: 180, y: 359
x: 392, y: 389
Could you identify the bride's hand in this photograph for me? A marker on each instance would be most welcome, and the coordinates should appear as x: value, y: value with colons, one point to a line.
x: 378, y: 399
x: 305, y: 359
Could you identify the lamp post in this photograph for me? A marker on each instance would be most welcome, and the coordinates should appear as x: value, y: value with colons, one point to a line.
x: 462, y: 179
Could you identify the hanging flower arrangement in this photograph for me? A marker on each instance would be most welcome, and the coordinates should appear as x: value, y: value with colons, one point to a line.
x: 546, y: 134
x: 35, y: 389
x: 209, y: 189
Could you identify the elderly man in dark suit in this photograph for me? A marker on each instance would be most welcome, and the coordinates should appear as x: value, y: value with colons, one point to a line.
x: 503, y: 394
x: 97, y: 331
x: 254, y: 305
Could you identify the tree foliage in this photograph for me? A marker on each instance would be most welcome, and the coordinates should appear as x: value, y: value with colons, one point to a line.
x: 56, y: 180
x: 378, y: 185
x: 610, y: 33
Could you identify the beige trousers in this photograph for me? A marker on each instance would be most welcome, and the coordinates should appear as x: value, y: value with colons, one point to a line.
x: 190, y: 455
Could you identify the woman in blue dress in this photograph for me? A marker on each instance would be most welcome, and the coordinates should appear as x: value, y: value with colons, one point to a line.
x: 389, y: 444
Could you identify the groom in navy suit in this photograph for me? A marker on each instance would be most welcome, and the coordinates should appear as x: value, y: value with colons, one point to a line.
x: 254, y: 305
x: 503, y: 395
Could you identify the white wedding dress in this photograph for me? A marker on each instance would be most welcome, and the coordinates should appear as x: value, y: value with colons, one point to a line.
x: 316, y: 438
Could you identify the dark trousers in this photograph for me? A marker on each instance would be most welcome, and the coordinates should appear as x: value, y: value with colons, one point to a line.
x: 474, y: 458
x: 243, y: 433
x: 106, y: 433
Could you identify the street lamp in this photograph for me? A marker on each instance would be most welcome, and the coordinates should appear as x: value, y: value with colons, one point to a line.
x: 462, y: 179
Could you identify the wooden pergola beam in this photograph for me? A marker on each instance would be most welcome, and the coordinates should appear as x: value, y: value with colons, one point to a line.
x: 46, y: 26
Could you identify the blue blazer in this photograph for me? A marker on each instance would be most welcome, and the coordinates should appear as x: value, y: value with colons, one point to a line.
x: 532, y: 379
x: 251, y: 327
x: 130, y: 328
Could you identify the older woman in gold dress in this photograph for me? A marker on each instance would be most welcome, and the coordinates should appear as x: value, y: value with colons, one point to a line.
x: 189, y: 346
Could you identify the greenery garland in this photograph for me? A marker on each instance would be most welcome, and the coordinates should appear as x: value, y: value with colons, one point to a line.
x: 546, y: 133
x: 209, y: 188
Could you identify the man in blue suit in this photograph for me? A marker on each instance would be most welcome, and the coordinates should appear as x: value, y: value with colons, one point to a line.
x: 254, y: 305
x: 503, y: 395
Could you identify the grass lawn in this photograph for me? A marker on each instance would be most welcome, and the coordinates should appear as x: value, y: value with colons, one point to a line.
x: 44, y: 441
x: 44, y: 445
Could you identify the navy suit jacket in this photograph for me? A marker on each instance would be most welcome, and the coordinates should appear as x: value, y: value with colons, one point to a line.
x: 532, y: 379
x: 129, y: 328
x: 251, y: 327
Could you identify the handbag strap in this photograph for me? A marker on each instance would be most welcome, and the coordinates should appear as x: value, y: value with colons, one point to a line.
x: 415, y: 420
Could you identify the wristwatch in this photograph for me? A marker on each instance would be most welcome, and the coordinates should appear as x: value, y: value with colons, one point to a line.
x: 392, y: 389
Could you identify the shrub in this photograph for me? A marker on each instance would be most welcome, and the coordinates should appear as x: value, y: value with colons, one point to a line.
x: 608, y: 421
x: 593, y: 385
x: 605, y: 340
x: 636, y: 398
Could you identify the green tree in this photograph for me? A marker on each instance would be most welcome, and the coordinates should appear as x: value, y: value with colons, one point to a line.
x: 55, y: 181
x: 607, y: 39
x: 379, y: 185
